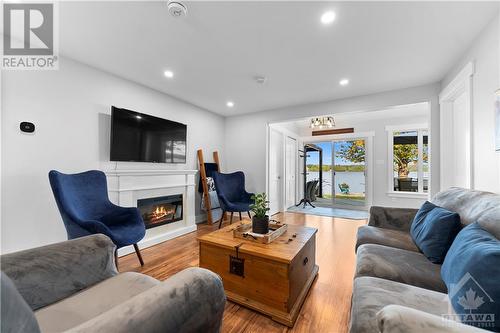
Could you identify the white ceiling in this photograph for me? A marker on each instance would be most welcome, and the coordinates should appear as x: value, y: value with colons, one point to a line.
x: 220, y: 46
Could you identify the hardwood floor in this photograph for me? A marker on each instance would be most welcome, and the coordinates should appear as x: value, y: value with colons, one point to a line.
x: 327, y: 306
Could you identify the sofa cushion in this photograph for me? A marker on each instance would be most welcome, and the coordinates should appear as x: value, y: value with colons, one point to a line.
x: 92, y: 301
x: 370, y: 295
x: 472, y: 206
x: 388, y: 237
x: 433, y: 230
x: 398, y: 265
x: 399, y: 319
x: 471, y: 271
x: 16, y: 314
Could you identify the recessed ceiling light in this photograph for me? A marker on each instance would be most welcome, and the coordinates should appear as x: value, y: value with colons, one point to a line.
x: 328, y: 17
x: 169, y: 74
x: 138, y: 117
x: 230, y: 104
x: 344, y: 82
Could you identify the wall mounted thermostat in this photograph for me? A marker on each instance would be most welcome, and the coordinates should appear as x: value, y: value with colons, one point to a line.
x: 27, y: 127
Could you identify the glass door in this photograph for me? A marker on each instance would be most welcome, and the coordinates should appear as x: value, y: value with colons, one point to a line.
x: 349, y: 172
x: 319, y: 173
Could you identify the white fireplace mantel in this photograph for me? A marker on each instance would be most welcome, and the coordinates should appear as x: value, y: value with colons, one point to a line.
x: 119, y: 172
x: 125, y: 187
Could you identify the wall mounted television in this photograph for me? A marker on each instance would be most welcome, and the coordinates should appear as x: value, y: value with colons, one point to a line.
x: 138, y: 137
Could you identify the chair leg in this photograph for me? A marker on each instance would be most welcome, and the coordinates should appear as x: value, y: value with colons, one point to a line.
x: 138, y: 254
x: 240, y: 216
x: 221, y: 218
x: 231, y: 220
x: 250, y: 216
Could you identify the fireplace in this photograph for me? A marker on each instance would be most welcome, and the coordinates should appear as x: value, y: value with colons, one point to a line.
x: 160, y: 210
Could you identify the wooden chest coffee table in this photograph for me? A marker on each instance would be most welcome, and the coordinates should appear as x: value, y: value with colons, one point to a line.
x: 270, y: 278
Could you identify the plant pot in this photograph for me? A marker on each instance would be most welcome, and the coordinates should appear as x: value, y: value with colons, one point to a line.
x: 260, y: 225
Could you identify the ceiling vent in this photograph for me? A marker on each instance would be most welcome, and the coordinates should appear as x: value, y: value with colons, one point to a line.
x: 177, y: 9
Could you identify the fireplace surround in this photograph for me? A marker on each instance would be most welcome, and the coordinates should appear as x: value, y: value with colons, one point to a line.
x: 127, y: 187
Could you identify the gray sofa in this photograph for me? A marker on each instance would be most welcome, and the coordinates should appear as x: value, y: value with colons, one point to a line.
x: 396, y: 288
x: 74, y: 286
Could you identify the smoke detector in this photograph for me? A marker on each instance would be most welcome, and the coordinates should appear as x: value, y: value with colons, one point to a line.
x: 260, y: 79
x: 177, y: 9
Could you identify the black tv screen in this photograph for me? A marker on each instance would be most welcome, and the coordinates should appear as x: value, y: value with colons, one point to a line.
x: 138, y: 137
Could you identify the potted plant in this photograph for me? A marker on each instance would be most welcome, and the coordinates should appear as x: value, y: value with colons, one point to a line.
x: 260, y: 220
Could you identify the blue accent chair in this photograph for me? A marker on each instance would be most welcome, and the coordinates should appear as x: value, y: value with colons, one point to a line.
x: 232, y: 194
x: 85, y: 208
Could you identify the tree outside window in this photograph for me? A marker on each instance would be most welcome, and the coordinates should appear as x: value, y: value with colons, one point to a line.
x: 410, y: 163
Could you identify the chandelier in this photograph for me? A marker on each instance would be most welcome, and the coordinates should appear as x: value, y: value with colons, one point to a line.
x: 322, y: 122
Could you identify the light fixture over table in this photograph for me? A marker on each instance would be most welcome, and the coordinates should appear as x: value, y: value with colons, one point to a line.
x: 322, y: 122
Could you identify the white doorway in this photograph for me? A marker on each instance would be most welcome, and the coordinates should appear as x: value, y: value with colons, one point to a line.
x: 455, y: 131
x: 275, y: 192
x: 290, y: 171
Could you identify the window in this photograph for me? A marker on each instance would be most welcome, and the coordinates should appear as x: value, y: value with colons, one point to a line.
x: 409, y: 167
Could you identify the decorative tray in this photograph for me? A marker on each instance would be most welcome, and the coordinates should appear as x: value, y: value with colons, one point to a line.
x: 244, y: 231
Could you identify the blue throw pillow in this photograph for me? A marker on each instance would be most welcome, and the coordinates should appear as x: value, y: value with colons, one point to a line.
x: 471, y: 271
x: 433, y: 230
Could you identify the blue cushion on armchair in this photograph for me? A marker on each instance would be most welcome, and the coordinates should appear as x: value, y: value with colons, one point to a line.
x: 85, y: 208
x: 231, y: 191
x: 471, y: 271
x: 433, y: 230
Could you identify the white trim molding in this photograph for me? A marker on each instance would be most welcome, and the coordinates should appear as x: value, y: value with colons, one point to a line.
x: 412, y: 195
x: 460, y: 85
x: 420, y: 129
x: 411, y: 127
x: 369, y: 166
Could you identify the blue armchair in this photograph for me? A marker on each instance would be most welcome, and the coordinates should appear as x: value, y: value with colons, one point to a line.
x: 232, y: 194
x: 85, y: 208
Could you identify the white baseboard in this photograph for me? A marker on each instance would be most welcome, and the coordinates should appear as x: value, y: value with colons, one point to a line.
x: 157, y: 239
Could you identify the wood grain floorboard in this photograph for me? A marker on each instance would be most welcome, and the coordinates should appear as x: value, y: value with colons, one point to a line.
x: 327, y: 306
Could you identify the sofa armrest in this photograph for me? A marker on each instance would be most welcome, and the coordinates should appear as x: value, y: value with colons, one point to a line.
x: 190, y: 301
x: 47, y: 274
x: 392, y: 218
x: 397, y: 319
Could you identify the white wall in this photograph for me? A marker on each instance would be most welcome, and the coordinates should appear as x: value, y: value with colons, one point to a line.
x: 71, y: 110
x: 485, y: 54
x: 246, y: 135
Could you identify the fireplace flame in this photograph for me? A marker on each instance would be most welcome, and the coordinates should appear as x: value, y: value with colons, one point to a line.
x: 160, y: 212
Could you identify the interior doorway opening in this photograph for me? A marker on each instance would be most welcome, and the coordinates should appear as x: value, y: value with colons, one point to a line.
x: 365, y: 159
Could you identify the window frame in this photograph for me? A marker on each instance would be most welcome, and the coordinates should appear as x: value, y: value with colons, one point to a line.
x: 420, y: 129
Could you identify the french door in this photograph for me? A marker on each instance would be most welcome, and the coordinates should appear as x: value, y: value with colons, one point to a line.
x: 349, y: 172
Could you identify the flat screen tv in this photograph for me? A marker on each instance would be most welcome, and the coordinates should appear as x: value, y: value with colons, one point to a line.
x: 138, y: 137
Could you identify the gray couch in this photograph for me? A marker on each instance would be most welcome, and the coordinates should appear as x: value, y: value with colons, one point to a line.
x: 396, y: 288
x: 74, y: 286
